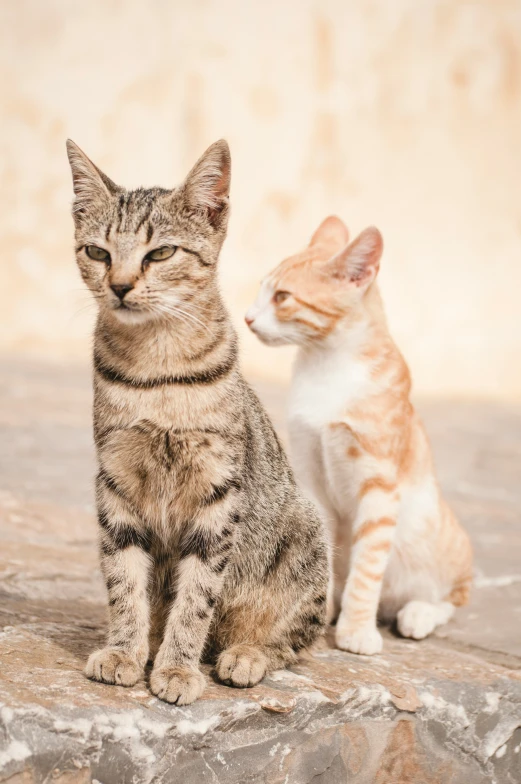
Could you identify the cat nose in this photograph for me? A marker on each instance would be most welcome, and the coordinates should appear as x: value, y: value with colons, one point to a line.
x: 249, y: 320
x: 120, y: 289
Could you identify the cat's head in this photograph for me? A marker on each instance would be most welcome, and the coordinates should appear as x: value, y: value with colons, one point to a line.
x: 310, y: 294
x: 150, y: 253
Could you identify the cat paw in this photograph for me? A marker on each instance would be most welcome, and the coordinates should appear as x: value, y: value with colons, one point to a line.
x: 241, y: 666
x: 366, y: 641
x: 179, y: 685
x: 111, y: 665
x: 419, y: 619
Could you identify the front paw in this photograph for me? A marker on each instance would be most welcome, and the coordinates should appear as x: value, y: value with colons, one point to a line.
x: 179, y: 685
x: 111, y: 665
x: 366, y: 640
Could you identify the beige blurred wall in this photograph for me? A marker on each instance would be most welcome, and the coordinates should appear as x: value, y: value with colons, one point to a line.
x: 405, y: 114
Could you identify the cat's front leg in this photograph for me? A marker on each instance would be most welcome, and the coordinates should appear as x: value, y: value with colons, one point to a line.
x: 204, y: 555
x: 125, y: 563
x: 372, y: 537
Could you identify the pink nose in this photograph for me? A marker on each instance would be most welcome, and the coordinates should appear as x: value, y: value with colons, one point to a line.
x: 249, y: 321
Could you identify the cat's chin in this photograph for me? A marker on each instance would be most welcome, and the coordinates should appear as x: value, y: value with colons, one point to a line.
x: 132, y: 317
x: 271, y: 340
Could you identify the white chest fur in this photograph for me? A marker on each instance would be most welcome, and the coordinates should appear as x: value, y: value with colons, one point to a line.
x: 325, y: 384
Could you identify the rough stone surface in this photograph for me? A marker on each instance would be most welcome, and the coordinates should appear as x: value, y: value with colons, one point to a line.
x: 446, y: 710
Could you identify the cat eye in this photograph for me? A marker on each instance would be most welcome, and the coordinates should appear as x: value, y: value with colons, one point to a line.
x: 280, y: 296
x: 161, y: 254
x: 97, y: 254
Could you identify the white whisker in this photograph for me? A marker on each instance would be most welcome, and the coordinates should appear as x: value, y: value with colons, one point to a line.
x: 168, y: 308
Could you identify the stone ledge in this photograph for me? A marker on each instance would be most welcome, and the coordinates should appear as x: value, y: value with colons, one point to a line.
x: 446, y: 710
x: 418, y: 713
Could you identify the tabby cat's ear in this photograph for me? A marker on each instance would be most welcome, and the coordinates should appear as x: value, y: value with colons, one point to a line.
x: 359, y: 262
x: 332, y: 231
x: 89, y: 183
x: 207, y: 187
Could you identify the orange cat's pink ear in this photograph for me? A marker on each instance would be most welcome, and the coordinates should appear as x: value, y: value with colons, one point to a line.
x: 332, y: 231
x: 359, y: 262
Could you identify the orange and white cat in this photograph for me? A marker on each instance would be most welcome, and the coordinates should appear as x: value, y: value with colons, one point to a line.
x: 358, y: 446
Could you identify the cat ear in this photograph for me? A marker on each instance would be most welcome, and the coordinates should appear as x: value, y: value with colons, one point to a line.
x: 207, y: 187
x: 89, y: 182
x: 359, y: 262
x: 332, y: 231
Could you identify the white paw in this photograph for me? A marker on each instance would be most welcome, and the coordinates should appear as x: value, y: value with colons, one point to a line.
x: 366, y: 640
x: 419, y: 619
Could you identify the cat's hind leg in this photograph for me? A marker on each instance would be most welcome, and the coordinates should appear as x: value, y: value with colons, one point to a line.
x: 249, y: 644
x: 264, y: 649
x: 244, y: 665
x: 435, y: 586
x: 418, y: 619
x: 269, y: 631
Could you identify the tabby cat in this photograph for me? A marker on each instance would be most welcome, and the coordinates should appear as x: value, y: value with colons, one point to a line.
x: 208, y: 549
x: 358, y: 445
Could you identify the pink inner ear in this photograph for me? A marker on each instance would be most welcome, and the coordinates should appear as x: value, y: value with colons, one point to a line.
x: 358, y: 275
x: 358, y: 262
x: 363, y: 256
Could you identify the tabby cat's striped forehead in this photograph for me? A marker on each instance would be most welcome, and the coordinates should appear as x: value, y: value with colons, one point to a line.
x: 146, y: 215
x: 196, y: 211
x: 134, y: 210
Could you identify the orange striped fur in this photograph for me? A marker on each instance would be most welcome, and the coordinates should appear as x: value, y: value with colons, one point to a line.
x: 359, y: 447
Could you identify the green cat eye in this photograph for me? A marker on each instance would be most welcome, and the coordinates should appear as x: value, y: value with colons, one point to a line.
x: 98, y: 254
x: 161, y: 254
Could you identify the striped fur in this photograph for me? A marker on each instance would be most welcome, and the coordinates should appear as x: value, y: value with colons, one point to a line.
x: 207, y: 546
x: 358, y: 445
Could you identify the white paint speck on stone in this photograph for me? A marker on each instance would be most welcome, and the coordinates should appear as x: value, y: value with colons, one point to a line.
x: 447, y: 711
x: 157, y: 728
x: 14, y: 752
x: 316, y: 697
x: 187, y: 727
x: 6, y: 714
x: 492, y: 700
x: 283, y: 754
x: 288, y: 675
x: 500, y: 735
x: 82, y: 727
